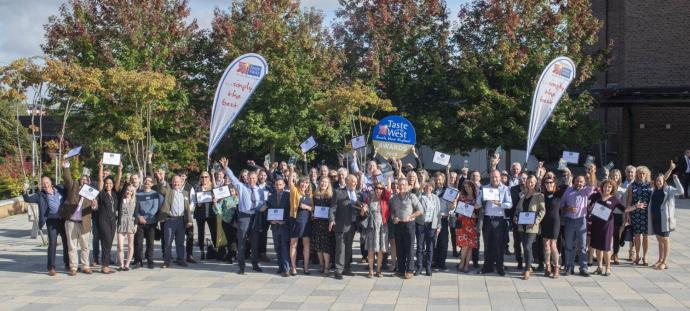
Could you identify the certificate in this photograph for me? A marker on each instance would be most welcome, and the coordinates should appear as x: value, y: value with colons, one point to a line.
x: 359, y: 142
x: 221, y: 192
x: 590, y: 160
x: 73, y: 152
x: 601, y: 211
x: 527, y: 218
x: 450, y: 194
x: 464, y: 209
x: 308, y: 144
x: 441, y: 158
x: 321, y: 212
x: 204, y: 197
x: 490, y: 194
x: 571, y: 157
x: 111, y: 158
x: 562, y: 164
x: 275, y: 214
x: 88, y: 192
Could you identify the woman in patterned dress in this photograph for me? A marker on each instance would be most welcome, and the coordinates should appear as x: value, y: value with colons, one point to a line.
x: 377, y: 231
x: 321, y: 240
x: 639, y: 194
x: 126, y: 227
x: 468, y: 231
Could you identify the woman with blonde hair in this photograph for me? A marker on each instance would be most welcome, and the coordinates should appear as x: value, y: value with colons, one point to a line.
x: 531, y: 202
x: 616, y: 176
x: 638, y: 196
x: 322, y: 239
x: 661, y: 215
x: 301, y: 208
x: 126, y: 227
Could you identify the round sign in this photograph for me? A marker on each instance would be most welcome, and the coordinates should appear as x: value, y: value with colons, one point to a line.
x: 393, y: 137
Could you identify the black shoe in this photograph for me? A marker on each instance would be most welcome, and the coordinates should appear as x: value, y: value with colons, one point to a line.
x: 475, y: 265
x: 519, y: 266
x: 501, y: 272
x: 150, y: 265
x: 428, y: 272
x: 584, y: 273
x: 338, y: 276
x: 348, y: 273
x: 257, y: 269
x: 241, y: 271
x: 487, y: 271
x: 569, y: 271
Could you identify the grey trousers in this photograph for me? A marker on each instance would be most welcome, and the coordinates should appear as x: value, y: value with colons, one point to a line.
x: 343, y: 249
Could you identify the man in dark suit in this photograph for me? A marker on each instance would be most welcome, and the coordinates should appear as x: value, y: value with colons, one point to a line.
x: 515, y: 192
x: 343, y: 218
x: 280, y: 200
x: 683, y: 170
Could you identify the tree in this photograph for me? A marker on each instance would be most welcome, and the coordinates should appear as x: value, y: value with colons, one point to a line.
x: 303, y: 64
x: 503, y: 47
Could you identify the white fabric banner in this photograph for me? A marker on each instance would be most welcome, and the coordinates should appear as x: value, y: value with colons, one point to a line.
x: 552, y: 84
x: 238, y: 82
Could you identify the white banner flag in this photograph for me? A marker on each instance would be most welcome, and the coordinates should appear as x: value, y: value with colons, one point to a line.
x: 238, y: 82
x: 552, y: 84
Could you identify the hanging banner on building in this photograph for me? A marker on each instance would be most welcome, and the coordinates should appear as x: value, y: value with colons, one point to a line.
x: 237, y: 84
x: 552, y: 84
x: 393, y: 137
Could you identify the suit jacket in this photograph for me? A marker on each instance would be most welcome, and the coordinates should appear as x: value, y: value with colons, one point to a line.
x: 72, y: 198
x: 515, y: 197
x: 342, y: 210
x: 681, y: 166
x: 536, y: 204
x: 284, y: 203
x: 168, y: 195
x: 41, y: 199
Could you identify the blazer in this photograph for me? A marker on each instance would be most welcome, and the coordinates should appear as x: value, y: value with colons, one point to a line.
x: 168, y: 195
x: 41, y: 198
x: 681, y: 166
x: 284, y: 203
x: 342, y: 211
x: 72, y: 201
x: 536, y: 204
x: 668, y: 208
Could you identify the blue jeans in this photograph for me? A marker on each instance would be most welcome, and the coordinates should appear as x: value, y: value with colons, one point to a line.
x: 429, y: 243
x: 174, y: 231
x: 575, y: 232
x: 281, y: 243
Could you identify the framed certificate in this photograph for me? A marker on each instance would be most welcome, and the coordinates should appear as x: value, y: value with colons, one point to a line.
x: 571, y: 157
x: 204, y: 197
x: 441, y: 158
x: 490, y: 194
x: 359, y: 142
x: 275, y: 214
x: 111, y: 158
x: 88, y: 192
x: 321, y: 212
x: 308, y: 144
x: 464, y: 209
x: 527, y: 218
x: 601, y: 211
x: 73, y: 152
x: 450, y: 194
x: 221, y: 192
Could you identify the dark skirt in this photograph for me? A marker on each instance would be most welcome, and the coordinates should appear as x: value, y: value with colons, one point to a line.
x: 321, y: 237
x: 656, y: 221
x: 550, y: 227
x: 300, y: 227
x: 602, y: 233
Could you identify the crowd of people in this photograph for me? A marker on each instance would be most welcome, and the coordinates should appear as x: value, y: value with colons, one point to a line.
x: 406, y: 218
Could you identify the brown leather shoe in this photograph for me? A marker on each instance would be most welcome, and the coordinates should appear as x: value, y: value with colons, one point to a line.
x: 51, y: 272
x: 105, y: 270
x: 190, y: 259
x: 181, y: 263
x: 72, y: 272
x: 408, y: 275
x: 526, y: 275
x: 86, y: 270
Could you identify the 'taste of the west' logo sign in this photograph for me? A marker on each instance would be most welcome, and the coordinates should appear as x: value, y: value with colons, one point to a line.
x: 249, y: 69
x: 393, y: 137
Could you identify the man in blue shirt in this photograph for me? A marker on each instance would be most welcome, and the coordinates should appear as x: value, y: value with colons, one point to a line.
x: 249, y: 221
x: 148, y: 204
x: 495, y: 198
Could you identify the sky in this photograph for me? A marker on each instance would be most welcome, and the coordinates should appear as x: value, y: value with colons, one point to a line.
x: 21, y: 21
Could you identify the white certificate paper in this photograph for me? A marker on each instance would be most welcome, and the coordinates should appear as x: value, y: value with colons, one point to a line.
x: 204, y: 197
x: 88, y: 192
x: 441, y: 158
x: 221, y: 192
x: 571, y: 157
x: 601, y: 211
x: 359, y: 142
x: 527, y: 218
x: 73, y: 152
x: 308, y: 144
x: 321, y: 212
x: 275, y: 214
x: 450, y: 194
x: 464, y: 209
x: 111, y: 158
x: 490, y: 194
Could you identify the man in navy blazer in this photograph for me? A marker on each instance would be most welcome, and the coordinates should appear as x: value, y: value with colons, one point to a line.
x: 280, y: 200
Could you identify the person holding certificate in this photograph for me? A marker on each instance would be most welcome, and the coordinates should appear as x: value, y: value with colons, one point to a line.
x: 278, y: 209
x: 528, y: 214
x: 204, y: 213
x: 551, y: 225
x: 574, y: 211
x: 301, y: 208
x: 227, y: 208
x: 431, y: 217
x: 176, y: 215
x: 468, y: 232
x: 601, y: 206
x: 77, y: 215
x: 377, y: 230
x: 662, y: 215
x: 496, y: 199
x: 322, y: 240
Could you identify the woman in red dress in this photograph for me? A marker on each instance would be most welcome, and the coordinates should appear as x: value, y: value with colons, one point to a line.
x: 467, y: 232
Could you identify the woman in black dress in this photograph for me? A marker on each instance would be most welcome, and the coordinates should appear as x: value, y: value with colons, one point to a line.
x: 321, y: 240
x: 108, y: 203
x: 551, y: 225
x: 204, y: 213
x: 301, y: 207
x: 602, y: 229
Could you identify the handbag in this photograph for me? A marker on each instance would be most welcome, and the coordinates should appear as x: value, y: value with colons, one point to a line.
x: 211, y: 252
x: 627, y: 235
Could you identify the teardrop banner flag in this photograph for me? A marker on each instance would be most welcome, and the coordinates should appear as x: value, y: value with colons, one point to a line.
x: 552, y: 84
x: 236, y: 85
x: 393, y: 137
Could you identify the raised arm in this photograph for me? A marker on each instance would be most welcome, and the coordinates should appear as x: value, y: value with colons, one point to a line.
x: 224, y: 163
x: 118, y: 178
x: 670, y: 170
x: 67, y: 175
x: 100, y: 177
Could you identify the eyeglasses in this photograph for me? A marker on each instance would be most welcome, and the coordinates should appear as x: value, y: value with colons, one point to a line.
x: 379, y: 188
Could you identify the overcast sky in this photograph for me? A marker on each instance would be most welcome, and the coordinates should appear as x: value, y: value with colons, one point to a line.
x: 21, y: 21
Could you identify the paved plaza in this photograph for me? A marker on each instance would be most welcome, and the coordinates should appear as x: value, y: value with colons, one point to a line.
x: 24, y: 285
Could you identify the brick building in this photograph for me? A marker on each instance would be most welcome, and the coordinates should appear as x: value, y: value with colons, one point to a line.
x: 644, y: 98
